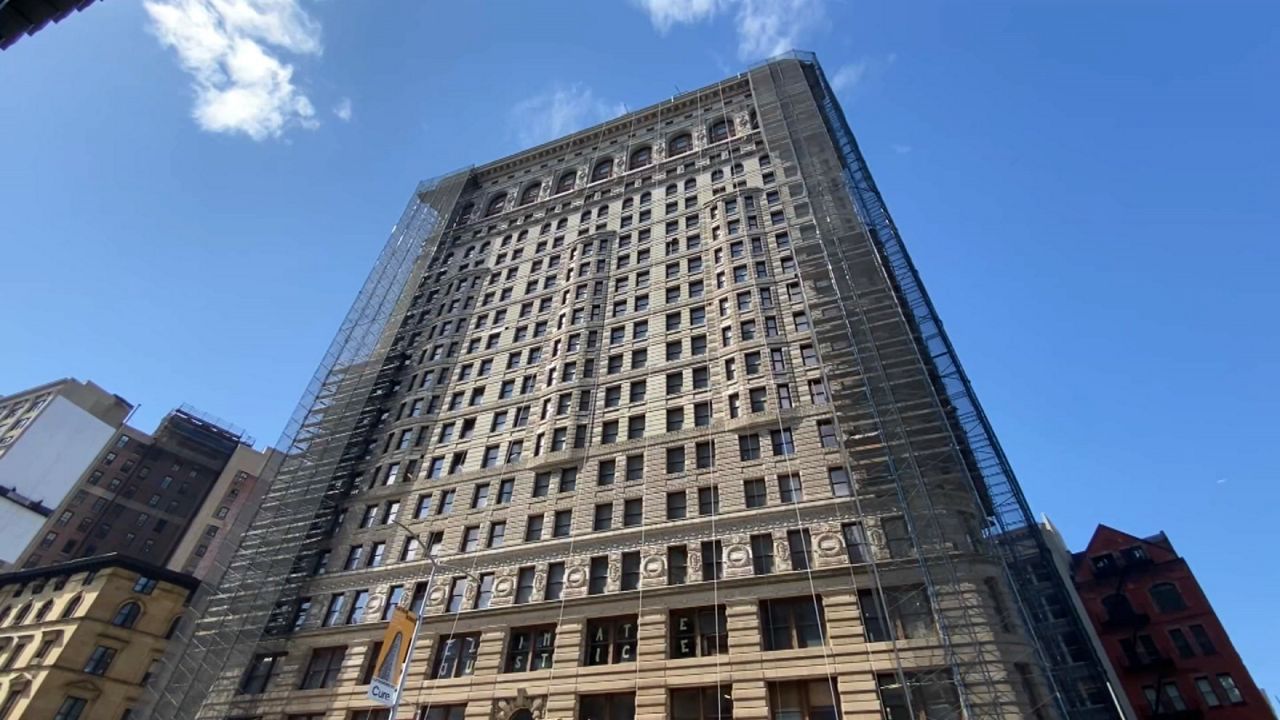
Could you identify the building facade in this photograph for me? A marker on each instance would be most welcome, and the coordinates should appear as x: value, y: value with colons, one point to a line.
x: 139, y: 496
x: 1172, y: 654
x: 220, y: 521
x: 48, y: 435
x: 80, y: 640
x: 667, y: 401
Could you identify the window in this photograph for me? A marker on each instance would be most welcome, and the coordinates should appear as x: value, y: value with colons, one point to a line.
x: 470, y: 539
x: 762, y: 553
x: 1207, y: 692
x: 603, y: 519
x: 1167, y: 598
x: 633, y: 512
x: 127, y: 615
x: 782, y: 442
x: 896, y: 614
x: 484, y: 594
x: 855, y: 541
x: 563, y: 523
x: 677, y: 505
x: 709, y: 500
x: 1168, y: 699
x: 712, y: 560
x: 789, y: 489
x: 640, y: 157
x: 144, y: 585
x: 456, y: 656
x: 322, y: 669
x: 602, y: 170
x: 749, y: 447
x: 635, y: 468
x: 719, y: 131
x: 897, y: 538
x: 1230, y: 690
x: 680, y: 144
x: 533, y: 528
x: 258, y: 675
x: 675, y: 459
x: 698, y: 632
x: 497, y: 534
x: 1203, y: 640
x: 611, y: 640
x: 598, y: 579
x: 99, y: 660
x: 437, y: 712
x: 792, y: 623
x: 1181, y: 643
x: 611, y: 706
x: 630, y: 571
x: 816, y: 700
x: 800, y: 547
x: 555, y: 581
x: 931, y: 695
x: 566, y: 182
x: 677, y: 564
x: 72, y: 708
x: 530, y: 648
x: 754, y: 492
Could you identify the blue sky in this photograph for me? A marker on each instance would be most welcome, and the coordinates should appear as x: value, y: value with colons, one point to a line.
x: 1089, y: 188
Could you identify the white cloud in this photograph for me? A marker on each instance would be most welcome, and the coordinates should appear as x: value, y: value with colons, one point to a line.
x: 847, y: 77
x: 560, y: 111
x: 764, y: 27
x: 343, y: 109
x: 232, y: 49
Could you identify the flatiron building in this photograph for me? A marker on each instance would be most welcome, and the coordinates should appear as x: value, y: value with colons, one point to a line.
x: 668, y: 403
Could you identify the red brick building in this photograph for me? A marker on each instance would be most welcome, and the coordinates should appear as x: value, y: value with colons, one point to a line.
x: 1172, y: 655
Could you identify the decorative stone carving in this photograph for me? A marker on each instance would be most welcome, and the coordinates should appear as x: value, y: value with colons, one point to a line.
x: 828, y: 545
x: 575, y: 577
x: 504, y: 587
x: 615, y: 572
x: 781, y: 549
x: 659, y: 151
x: 654, y: 567
x: 436, y: 596
x: 743, y: 122
x: 582, y: 178
x: 540, y: 579
x: 544, y: 191
x: 737, y: 556
x: 534, y: 707
x: 373, y: 607
x: 699, y: 138
x: 619, y: 165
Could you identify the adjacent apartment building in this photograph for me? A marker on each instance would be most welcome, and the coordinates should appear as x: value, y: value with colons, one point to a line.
x: 142, y: 492
x: 666, y: 411
x: 81, y: 640
x: 48, y: 435
x: 1172, y: 654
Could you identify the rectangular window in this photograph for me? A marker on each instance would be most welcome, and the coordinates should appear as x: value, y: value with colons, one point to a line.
x: 1203, y: 641
x: 840, y: 484
x: 611, y: 640
x: 530, y: 648
x: 255, y: 680
x: 598, y: 580
x: 630, y: 571
x: 855, y: 541
x: 533, y: 528
x: 896, y: 614
x: 800, y: 546
x: 484, y: 593
x: 1207, y: 693
x: 712, y: 560
x: 935, y: 692
x: 816, y: 700
x: 709, y: 500
x: 755, y: 493
x: 897, y: 537
x: 677, y: 505
x: 698, y: 632
x: 456, y: 656
x: 633, y: 512
x: 603, y: 519
x: 611, y: 706
x: 524, y: 585
x: 1230, y: 689
x: 99, y: 660
x: 563, y: 523
x: 677, y: 564
x: 555, y: 581
x: 762, y: 553
x: 789, y: 489
x: 322, y: 669
x: 787, y: 623
x: 711, y: 702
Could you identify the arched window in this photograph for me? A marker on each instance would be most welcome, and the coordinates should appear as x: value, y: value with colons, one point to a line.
x: 21, y: 616
x: 719, y: 131
x: 566, y: 182
x: 530, y: 194
x: 70, y: 609
x: 738, y: 169
x: 1117, y: 606
x: 646, y: 197
x: 43, y: 612
x: 127, y: 615
x: 690, y: 185
x: 680, y: 144
x: 640, y: 157
x: 717, y: 175
x: 602, y: 170
x: 496, y: 204
x: 672, y: 189
x: 1167, y: 597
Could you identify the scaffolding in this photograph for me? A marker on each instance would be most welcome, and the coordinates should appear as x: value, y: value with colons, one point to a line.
x: 323, y: 449
x: 913, y: 427
x: 914, y: 441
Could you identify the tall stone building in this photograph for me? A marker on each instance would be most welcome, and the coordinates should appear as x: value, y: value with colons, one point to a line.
x: 668, y: 403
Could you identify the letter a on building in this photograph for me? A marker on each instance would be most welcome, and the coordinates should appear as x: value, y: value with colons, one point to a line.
x: 390, y: 663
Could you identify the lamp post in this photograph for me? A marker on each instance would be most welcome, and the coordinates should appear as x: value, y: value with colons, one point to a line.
x: 417, y: 623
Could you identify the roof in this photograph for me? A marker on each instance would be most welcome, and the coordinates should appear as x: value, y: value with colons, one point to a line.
x: 100, y: 562
x: 26, y: 17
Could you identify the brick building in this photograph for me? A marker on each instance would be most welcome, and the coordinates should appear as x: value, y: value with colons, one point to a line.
x: 1173, y: 657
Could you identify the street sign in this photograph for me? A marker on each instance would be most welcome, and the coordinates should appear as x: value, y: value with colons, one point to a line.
x: 396, y: 642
